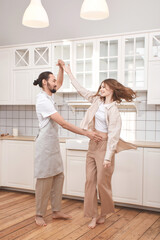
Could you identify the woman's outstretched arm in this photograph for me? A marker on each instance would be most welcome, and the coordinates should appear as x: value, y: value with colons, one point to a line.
x: 80, y: 89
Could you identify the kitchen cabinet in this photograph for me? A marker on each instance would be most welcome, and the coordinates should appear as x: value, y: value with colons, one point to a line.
x: 76, y: 161
x: 6, y: 76
x: 123, y: 57
x: 62, y: 50
x: 151, y: 180
x: 17, y: 164
x: 28, y: 63
x: 63, y: 154
x: 22, y: 87
x: 135, y: 60
x: 153, y: 96
x: 109, y: 65
x: 0, y: 163
x: 127, y: 177
x: 24, y: 91
x: 32, y: 56
x: 85, y: 63
x: 135, y: 179
x: 154, y: 46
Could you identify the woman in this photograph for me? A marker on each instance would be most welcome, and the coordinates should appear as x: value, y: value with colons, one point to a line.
x: 104, y: 118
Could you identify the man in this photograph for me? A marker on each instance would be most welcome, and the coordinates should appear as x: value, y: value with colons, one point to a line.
x: 48, y: 161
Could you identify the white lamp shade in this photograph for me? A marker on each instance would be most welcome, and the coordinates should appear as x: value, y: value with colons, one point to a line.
x: 94, y: 10
x: 35, y: 15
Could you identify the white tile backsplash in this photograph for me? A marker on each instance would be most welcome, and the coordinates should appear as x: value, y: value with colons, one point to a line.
x: 150, y: 135
x: 9, y: 122
x: 15, y: 114
x: 28, y: 114
x: 9, y: 114
x: 22, y: 114
x: 150, y: 125
x: 157, y: 115
x: 157, y: 125
x: 141, y: 135
x: 151, y: 115
x: 29, y: 122
x: 142, y: 125
x: 158, y: 136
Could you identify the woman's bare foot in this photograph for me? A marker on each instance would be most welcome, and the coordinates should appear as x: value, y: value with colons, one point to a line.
x: 40, y: 221
x: 62, y: 215
x: 101, y: 220
x: 92, y: 224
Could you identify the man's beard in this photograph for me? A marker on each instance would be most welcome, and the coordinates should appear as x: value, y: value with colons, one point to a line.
x: 52, y: 90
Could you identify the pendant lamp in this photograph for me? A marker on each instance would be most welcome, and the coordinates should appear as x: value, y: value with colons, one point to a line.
x: 35, y: 15
x: 94, y: 10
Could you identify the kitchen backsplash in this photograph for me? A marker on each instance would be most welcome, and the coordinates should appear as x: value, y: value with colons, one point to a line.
x: 141, y: 125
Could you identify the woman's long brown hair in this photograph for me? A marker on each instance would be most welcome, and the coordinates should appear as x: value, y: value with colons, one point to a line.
x: 119, y: 91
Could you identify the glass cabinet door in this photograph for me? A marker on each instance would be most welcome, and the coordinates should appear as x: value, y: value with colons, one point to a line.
x: 135, y: 62
x: 21, y: 57
x: 155, y: 46
x: 84, y: 63
x: 32, y: 56
x: 41, y: 56
x: 62, y: 51
x: 108, y: 59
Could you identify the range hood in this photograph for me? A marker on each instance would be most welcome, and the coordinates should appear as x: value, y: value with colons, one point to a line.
x: 129, y: 106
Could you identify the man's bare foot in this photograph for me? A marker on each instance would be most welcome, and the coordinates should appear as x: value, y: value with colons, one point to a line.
x: 40, y: 221
x: 92, y: 224
x: 101, y: 220
x: 62, y: 215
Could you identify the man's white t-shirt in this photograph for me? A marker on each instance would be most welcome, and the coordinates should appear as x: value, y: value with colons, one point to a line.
x: 45, y: 107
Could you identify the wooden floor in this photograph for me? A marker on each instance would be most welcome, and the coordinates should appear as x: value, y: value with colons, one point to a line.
x: 17, y: 222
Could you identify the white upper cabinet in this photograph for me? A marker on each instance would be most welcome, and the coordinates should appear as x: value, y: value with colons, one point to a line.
x: 153, y: 96
x: 154, y: 46
x: 134, y: 62
x: 109, y: 51
x: 32, y: 56
x: 22, y: 87
x: 62, y: 50
x: 84, y: 63
x: 6, y: 76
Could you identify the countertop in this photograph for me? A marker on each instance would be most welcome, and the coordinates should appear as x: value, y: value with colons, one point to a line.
x: 147, y: 144
x: 27, y: 138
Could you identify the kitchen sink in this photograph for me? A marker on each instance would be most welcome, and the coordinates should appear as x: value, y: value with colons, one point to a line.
x: 77, y: 144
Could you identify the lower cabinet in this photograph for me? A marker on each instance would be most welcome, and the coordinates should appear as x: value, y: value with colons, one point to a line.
x: 76, y: 161
x: 63, y: 154
x: 17, y: 164
x: 151, y: 179
x: 0, y: 163
x: 135, y: 180
x: 127, y: 177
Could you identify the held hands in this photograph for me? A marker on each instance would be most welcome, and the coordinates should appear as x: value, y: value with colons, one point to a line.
x: 93, y: 136
x: 60, y: 63
x: 106, y: 164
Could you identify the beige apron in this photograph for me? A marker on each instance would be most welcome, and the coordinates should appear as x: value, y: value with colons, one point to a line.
x: 48, y: 160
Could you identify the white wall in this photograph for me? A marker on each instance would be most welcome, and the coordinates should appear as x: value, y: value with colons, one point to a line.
x: 125, y: 16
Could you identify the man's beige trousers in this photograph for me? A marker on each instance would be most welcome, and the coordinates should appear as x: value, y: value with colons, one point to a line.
x: 46, y: 188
